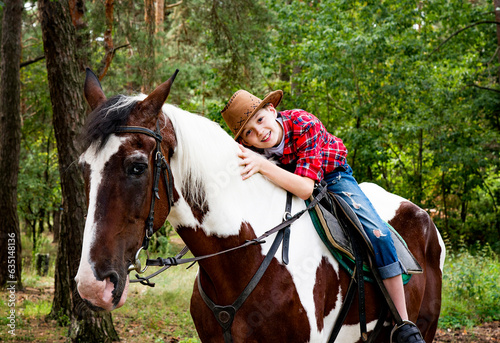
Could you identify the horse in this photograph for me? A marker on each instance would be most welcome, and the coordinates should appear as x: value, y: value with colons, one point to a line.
x: 212, y: 209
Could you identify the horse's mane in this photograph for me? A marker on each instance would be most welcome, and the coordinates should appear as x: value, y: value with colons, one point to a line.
x: 205, y: 153
x: 204, y: 150
x: 104, y: 120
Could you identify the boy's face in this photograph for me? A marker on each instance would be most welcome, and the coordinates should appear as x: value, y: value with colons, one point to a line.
x: 262, y: 130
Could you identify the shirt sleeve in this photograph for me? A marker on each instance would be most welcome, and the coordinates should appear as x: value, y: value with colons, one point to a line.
x: 309, y: 159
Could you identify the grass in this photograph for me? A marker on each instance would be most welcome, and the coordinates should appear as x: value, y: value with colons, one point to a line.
x: 471, y: 295
x: 471, y: 288
x: 156, y: 314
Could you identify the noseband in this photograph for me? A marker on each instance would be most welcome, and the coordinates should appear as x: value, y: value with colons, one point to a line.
x: 160, y: 167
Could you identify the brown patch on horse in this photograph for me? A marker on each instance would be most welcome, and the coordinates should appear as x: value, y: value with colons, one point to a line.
x: 416, y: 226
x: 275, y: 299
x: 198, y: 210
x: 324, y: 296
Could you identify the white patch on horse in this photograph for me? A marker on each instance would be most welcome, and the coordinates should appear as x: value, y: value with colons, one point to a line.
x: 96, y: 161
x: 443, y: 250
x: 386, y: 204
x: 206, y: 163
x: 351, y: 333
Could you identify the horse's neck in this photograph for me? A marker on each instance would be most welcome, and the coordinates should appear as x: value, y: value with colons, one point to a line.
x: 231, y: 218
x: 217, y: 210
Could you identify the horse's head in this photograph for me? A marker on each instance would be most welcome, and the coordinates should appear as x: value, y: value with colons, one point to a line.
x: 121, y: 148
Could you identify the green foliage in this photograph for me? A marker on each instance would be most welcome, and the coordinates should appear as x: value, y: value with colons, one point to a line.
x: 415, y: 100
x: 411, y: 111
x: 471, y: 291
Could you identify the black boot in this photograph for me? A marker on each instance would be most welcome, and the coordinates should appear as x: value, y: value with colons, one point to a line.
x: 406, y: 333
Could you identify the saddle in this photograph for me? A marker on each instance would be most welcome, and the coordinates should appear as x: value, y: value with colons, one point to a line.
x: 341, y: 231
x: 333, y: 218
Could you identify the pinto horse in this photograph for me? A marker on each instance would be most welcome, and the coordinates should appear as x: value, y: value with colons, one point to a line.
x: 213, y: 209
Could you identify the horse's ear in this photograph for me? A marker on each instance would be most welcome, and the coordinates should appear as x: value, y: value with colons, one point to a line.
x: 93, y: 90
x: 151, y: 106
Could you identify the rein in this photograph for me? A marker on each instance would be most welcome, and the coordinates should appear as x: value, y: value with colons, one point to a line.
x: 288, y: 220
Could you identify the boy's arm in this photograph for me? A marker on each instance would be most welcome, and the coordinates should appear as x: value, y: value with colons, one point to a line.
x: 253, y: 163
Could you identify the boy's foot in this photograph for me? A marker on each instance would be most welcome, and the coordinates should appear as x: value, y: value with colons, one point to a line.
x: 406, y: 333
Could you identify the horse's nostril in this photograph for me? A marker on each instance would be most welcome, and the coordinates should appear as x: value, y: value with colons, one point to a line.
x: 113, y: 278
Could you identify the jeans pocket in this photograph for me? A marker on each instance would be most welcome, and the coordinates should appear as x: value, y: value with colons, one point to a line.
x: 333, y: 178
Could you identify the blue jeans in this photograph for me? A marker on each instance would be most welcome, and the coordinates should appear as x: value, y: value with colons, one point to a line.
x: 386, y: 258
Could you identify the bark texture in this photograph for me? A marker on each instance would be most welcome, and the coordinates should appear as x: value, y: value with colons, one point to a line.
x: 10, y: 143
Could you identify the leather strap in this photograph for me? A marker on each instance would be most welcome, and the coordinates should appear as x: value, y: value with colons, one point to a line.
x: 225, y: 314
x: 160, y: 166
x: 346, y: 306
x: 361, y: 287
x: 145, y: 280
x: 259, y: 240
x: 286, y: 230
x: 388, y: 299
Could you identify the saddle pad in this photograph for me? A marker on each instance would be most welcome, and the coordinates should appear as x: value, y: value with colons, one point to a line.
x: 340, y: 207
x: 333, y: 230
x: 338, y: 249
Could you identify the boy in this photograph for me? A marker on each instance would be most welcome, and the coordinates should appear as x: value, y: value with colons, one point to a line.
x: 297, y: 138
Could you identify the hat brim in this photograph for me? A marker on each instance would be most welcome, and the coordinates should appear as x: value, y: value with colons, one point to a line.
x: 273, y: 98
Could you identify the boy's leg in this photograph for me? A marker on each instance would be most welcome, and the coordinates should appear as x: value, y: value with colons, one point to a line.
x: 386, y: 258
x: 394, y: 286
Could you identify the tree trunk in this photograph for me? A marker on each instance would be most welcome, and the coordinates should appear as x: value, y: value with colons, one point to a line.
x: 10, y: 144
x: 496, y: 5
x: 65, y: 83
x: 149, y: 51
x: 159, y: 15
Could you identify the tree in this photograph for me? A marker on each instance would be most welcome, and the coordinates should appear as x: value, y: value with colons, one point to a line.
x: 61, y: 55
x: 413, y: 92
x: 10, y: 141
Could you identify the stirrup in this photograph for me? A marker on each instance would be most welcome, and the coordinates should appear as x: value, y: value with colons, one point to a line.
x: 407, y: 332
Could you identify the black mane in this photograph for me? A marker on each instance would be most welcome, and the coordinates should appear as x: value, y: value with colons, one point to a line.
x: 104, y: 120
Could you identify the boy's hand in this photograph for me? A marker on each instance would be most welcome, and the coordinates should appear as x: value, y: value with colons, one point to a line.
x: 251, y: 161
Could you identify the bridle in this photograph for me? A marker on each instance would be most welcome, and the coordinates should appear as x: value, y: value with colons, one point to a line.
x: 162, y: 167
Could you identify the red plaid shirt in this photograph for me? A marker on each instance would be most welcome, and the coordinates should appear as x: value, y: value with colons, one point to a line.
x: 309, y: 147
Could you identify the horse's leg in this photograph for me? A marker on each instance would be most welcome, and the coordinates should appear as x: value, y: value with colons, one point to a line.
x: 431, y: 306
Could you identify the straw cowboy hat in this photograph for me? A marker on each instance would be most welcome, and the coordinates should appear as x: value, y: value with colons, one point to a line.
x: 243, y: 105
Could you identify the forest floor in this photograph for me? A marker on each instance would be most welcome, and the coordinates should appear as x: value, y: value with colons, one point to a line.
x: 37, y: 329
x: 488, y: 332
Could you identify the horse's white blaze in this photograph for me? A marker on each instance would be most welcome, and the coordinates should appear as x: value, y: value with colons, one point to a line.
x: 98, y: 292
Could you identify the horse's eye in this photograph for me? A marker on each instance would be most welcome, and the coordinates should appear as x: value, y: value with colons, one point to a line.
x: 137, y: 168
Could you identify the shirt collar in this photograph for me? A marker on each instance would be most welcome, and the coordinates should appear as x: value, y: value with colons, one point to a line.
x: 278, y: 149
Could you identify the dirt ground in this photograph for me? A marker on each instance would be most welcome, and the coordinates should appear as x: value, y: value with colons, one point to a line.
x: 488, y: 332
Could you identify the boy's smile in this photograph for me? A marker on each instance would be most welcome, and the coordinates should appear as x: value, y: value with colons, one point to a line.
x: 262, y: 130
